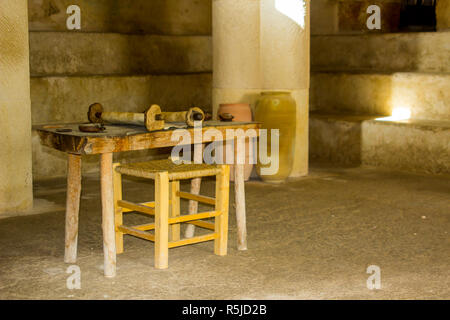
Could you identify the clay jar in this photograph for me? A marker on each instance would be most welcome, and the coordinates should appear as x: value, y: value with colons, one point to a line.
x: 241, y: 113
x: 277, y: 110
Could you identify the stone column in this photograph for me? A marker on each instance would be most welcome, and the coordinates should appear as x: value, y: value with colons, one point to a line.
x: 263, y: 45
x: 15, y: 114
x: 443, y: 15
x: 285, y: 37
x: 236, y: 52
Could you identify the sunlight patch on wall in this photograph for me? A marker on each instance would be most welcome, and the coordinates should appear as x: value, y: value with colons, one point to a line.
x: 294, y: 9
x: 397, y: 115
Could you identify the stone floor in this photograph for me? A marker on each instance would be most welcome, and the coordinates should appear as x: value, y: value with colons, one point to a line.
x: 311, y: 238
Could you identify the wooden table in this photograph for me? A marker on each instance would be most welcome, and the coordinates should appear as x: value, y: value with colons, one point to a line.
x: 120, y: 138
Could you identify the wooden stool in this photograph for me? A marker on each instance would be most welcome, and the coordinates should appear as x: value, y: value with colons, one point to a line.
x: 166, y: 207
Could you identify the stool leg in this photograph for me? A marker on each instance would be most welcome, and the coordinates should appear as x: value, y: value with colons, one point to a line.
x: 175, y: 210
x: 221, y: 221
x: 162, y: 220
x: 118, y: 211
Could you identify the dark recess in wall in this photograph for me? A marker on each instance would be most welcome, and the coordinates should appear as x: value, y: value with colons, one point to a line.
x: 418, y: 15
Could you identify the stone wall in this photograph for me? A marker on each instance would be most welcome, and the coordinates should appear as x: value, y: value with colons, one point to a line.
x: 128, y: 55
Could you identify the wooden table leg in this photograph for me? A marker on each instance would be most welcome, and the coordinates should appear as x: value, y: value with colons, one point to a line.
x: 72, y: 207
x: 239, y: 194
x: 195, y: 189
x: 109, y: 243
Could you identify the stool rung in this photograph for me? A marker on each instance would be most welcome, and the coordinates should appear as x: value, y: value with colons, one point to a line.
x: 147, y: 236
x: 190, y: 217
x: 137, y: 233
x: 203, y: 224
x: 196, y: 197
x: 186, y: 218
x: 144, y: 227
x: 147, y: 204
x: 207, y: 237
x: 136, y: 207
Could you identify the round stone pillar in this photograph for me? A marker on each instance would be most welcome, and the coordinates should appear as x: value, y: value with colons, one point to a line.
x: 284, y: 40
x: 15, y: 112
x: 263, y: 45
x: 236, y: 52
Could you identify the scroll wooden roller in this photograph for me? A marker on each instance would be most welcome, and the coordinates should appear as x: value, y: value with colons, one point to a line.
x: 153, y: 119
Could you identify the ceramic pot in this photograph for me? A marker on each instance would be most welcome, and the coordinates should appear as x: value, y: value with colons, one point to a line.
x: 241, y: 112
x: 277, y: 110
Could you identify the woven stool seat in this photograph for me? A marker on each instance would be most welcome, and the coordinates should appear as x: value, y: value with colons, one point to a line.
x: 149, y: 169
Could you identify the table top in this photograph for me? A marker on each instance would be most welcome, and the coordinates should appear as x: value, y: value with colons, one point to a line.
x: 117, y: 138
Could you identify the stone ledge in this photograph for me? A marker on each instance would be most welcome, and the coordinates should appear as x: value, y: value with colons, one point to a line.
x: 427, y: 125
x: 392, y: 52
x: 426, y: 95
x: 80, y: 54
x: 354, y: 140
x: 179, y: 17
